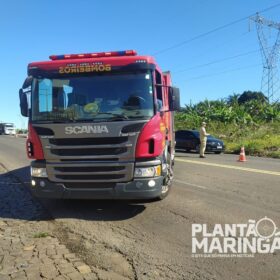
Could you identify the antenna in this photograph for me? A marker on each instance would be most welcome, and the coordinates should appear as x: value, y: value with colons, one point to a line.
x: 270, y: 84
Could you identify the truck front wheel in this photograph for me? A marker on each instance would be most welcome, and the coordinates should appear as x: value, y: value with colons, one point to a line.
x: 167, y: 181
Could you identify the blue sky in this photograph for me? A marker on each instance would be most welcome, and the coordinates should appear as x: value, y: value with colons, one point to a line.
x: 32, y: 30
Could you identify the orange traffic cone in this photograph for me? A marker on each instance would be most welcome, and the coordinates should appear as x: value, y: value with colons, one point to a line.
x: 242, y: 156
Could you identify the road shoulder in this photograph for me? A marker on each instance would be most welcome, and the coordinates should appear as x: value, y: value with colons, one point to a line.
x: 28, y: 247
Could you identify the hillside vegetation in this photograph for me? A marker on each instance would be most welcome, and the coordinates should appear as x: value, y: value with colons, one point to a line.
x: 247, y: 120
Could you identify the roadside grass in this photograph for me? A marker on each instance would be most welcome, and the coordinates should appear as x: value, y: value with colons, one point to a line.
x: 258, y: 139
x: 256, y: 146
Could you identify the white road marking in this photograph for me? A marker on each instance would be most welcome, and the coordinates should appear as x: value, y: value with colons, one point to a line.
x: 189, y: 184
x: 230, y: 167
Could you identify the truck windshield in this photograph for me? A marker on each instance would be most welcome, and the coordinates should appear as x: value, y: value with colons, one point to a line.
x: 93, y: 98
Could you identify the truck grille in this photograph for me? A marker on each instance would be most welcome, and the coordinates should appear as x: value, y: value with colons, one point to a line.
x: 90, y: 171
x: 90, y: 177
x: 81, y: 185
x: 88, y: 159
x: 92, y: 160
x: 88, y: 152
x: 88, y: 141
x: 95, y: 148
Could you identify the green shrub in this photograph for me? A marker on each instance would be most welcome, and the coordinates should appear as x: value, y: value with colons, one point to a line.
x: 253, y: 124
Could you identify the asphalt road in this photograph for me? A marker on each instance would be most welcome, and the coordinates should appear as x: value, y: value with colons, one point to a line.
x: 153, y: 240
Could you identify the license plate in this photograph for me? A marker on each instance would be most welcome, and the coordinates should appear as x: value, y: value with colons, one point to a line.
x: 219, y: 147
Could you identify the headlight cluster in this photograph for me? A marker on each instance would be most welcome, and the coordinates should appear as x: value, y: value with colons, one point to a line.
x: 153, y: 171
x: 39, y: 172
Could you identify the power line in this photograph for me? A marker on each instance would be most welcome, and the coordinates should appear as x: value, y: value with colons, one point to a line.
x: 224, y: 72
x: 224, y: 43
x: 212, y: 31
x: 216, y: 61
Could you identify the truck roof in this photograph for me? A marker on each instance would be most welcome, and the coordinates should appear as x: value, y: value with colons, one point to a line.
x: 58, y: 61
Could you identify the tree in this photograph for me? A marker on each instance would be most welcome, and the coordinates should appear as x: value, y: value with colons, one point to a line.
x: 232, y: 100
x: 247, y: 96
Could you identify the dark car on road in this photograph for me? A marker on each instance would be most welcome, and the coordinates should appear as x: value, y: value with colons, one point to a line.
x: 189, y: 140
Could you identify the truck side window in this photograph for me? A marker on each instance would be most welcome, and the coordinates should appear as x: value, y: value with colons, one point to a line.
x: 159, y: 91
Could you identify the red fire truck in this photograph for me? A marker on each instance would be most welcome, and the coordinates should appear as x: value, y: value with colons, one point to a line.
x: 100, y: 126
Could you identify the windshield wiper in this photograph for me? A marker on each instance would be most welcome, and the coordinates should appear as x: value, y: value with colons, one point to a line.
x: 140, y: 117
x: 115, y: 117
x: 88, y: 120
x: 54, y: 121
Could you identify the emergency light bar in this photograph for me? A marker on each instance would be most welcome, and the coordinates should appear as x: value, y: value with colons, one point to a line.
x: 92, y: 55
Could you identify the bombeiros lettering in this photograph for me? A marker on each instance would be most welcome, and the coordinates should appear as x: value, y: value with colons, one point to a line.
x: 77, y: 129
x: 84, y: 68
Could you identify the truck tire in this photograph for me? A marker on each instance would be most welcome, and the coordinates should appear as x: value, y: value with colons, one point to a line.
x: 167, y: 181
x: 165, y: 191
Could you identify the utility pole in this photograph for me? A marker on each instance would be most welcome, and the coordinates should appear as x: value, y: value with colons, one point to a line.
x: 270, y: 48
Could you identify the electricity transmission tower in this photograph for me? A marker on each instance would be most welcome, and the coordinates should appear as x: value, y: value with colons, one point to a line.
x: 270, y: 48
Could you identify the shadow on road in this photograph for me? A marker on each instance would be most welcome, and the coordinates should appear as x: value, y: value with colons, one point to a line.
x: 94, y: 210
x: 17, y: 202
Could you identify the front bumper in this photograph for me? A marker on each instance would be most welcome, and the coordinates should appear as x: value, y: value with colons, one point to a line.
x: 136, y: 189
x: 214, y: 148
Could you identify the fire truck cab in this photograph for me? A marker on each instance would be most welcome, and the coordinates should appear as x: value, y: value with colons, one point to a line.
x: 101, y: 126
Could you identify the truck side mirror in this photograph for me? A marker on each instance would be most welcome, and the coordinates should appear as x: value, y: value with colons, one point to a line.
x: 28, y: 82
x: 23, y: 103
x: 174, y: 99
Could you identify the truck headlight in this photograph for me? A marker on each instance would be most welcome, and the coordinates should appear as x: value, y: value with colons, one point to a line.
x: 39, y: 172
x: 152, y: 171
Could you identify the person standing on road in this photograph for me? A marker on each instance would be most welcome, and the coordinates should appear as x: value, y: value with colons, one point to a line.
x: 203, y: 139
